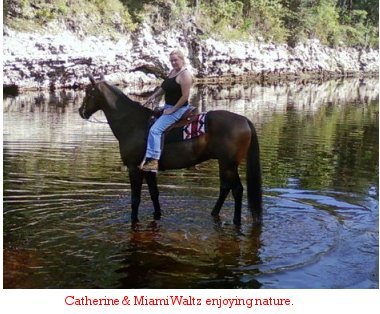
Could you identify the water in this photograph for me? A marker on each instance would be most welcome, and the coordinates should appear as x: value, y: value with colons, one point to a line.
x: 67, y: 197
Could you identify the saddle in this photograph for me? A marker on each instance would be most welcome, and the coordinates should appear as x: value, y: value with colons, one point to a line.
x: 190, y: 125
x: 188, y: 117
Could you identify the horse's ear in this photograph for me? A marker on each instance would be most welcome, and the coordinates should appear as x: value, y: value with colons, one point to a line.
x: 91, y: 77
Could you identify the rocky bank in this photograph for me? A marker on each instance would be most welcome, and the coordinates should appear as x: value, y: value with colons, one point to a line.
x: 37, y: 61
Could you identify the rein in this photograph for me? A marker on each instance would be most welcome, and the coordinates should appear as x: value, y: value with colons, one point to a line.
x: 94, y: 120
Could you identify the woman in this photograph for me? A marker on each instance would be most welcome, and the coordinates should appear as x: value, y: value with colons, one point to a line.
x: 176, y: 88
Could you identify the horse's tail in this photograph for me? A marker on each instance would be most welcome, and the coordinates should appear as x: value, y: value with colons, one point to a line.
x: 254, y: 189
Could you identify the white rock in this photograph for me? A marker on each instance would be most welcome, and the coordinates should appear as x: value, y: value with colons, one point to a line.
x: 35, y: 61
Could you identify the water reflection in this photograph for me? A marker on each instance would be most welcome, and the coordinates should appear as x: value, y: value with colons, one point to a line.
x: 66, y: 197
x: 205, y: 259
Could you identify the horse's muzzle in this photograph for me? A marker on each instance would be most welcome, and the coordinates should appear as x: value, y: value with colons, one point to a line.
x: 82, y: 113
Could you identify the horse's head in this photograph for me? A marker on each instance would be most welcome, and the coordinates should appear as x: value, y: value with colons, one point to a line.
x: 115, y: 104
x: 92, y: 100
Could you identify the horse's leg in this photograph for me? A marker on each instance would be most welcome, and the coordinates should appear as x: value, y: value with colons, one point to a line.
x: 224, y: 189
x: 223, y: 192
x: 151, y: 180
x: 237, y: 192
x: 136, y: 178
x: 229, y: 179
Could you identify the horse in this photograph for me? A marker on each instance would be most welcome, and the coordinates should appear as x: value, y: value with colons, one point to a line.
x: 230, y: 138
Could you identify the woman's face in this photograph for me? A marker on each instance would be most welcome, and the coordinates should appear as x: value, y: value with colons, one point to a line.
x: 176, y: 62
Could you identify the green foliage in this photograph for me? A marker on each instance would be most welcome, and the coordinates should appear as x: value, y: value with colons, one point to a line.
x: 325, y: 23
x: 333, y: 22
x: 268, y: 19
x: 45, y: 15
x: 371, y: 7
x: 357, y: 28
x: 107, y: 17
x: 221, y: 18
x: 180, y: 8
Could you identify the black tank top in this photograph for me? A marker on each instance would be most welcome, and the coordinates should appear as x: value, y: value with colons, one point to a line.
x: 172, y: 90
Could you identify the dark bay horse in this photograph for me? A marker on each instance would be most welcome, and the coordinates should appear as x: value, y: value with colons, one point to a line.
x: 230, y: 138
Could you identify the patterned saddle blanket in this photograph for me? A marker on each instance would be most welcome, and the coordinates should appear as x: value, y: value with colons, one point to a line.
x: 193, y: 127
x: 188, y: 127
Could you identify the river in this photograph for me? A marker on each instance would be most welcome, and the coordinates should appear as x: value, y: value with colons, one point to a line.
x: 66, y: 196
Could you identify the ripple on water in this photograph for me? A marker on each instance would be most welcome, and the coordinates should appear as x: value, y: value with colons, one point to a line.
x: 295, y: 234
x: 301, y: 229
x: 331, y: 247
x: 67, y: 209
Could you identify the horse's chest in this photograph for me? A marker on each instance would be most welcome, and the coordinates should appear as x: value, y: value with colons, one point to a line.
x: 131, y: 150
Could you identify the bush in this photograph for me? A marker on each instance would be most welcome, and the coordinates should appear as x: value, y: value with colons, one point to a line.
x: 104, y: 16
x: 325, y: 23
x: 267, y: 18
x: 332, y: 22
x: 221, y: 18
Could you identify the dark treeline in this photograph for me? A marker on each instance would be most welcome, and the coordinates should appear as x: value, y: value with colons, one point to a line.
x: 333, y: 22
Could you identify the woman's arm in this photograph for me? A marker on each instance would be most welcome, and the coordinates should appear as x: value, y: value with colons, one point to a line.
x: 157, y: 93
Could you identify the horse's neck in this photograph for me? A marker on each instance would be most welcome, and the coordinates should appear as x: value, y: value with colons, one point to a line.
x: 124, y: 123
x: 123, y: 114
x: 119, y: 108
x: 126, y: 113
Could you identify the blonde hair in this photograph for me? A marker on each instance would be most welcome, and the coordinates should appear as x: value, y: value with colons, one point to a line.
x: 178, y: 53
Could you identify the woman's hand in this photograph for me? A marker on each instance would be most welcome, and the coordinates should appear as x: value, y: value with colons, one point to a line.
x: 169, y: 110
x: 151, y: 100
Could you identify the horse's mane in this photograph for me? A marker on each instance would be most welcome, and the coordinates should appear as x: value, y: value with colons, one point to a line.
x: 122, y: 97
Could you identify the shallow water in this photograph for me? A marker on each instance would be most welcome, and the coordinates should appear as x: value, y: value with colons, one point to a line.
x: 67, y: 197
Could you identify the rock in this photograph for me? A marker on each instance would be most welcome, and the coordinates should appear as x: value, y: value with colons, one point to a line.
x: 35, y: 61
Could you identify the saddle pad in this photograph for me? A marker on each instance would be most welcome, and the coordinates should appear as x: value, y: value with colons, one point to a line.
x: 192, y: 130
x: 196, y: 128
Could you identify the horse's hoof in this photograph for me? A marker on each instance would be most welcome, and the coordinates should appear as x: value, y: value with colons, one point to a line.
x: 237, y: 222
x: 216, y: 218
x: 157, y: 216
x: 215, y: 213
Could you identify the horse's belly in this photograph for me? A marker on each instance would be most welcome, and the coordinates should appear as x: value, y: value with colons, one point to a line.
x: 184, y: 154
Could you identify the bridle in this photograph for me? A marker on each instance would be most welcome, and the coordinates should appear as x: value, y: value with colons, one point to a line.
x: 91, y: 119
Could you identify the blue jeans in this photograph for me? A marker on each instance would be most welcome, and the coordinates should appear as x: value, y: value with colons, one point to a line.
x: 153, y: 149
